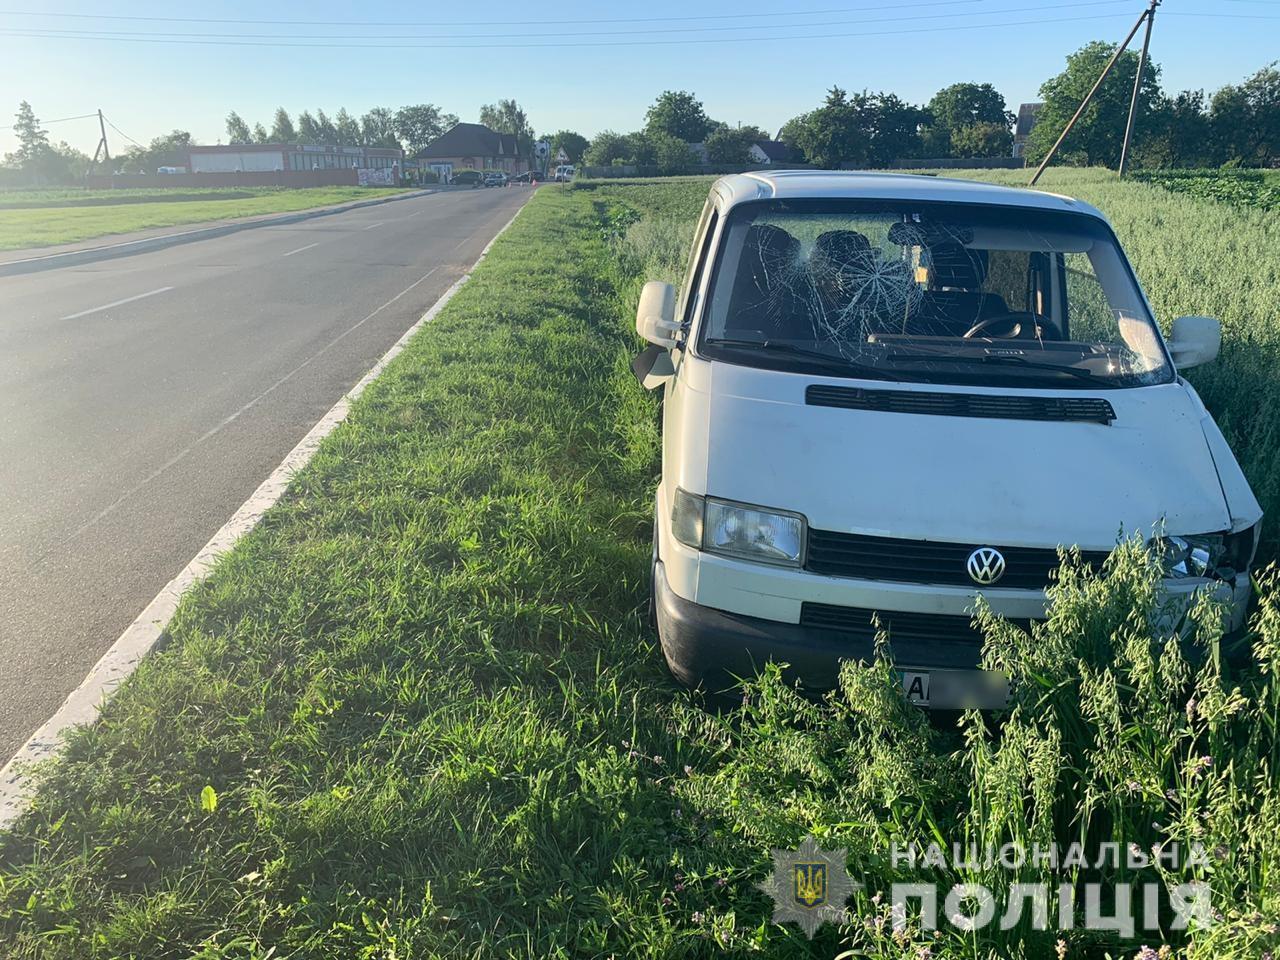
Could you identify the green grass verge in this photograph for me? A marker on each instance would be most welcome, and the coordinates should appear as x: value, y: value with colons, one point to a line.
x: 417, y: 712
x: 58, y: 222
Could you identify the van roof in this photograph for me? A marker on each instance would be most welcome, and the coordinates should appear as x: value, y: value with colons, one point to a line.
x: 794, y: 184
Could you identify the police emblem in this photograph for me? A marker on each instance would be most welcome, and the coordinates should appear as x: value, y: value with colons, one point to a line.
x: 809, y: 886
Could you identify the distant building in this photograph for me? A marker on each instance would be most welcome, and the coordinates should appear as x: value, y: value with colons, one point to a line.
x: 291, y: 157
x: 1028, y: 114
x: 472, y: 146
x: 768, y: 152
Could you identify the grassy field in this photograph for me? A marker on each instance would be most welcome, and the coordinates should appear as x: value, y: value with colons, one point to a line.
x: 418, y: 712
x: 61, y: 219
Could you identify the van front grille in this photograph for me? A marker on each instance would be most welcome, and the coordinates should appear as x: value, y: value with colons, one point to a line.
x: 939, y: 404
x: 899, y: 625
x: 927, y: 561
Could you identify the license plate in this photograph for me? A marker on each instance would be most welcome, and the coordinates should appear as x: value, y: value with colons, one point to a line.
x: 956, y: 689
x: 916, y: 687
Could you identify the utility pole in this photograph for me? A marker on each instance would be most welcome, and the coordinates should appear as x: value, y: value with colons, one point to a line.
x: 1137, y: 84
x: 102, y: 144
x: 1089, y: 96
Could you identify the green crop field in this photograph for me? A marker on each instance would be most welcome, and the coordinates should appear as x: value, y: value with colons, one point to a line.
x: 1245, y: 188
x: 418, y: 712
x: 45, y: 218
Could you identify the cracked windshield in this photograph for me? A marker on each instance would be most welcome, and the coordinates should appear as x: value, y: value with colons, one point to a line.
x: 959, y: 295
x: 680, y: 480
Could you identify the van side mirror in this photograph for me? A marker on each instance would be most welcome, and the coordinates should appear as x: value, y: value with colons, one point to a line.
x: 656, y: 315
x: 1194, y: 340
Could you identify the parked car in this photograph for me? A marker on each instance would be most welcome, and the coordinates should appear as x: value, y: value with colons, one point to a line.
x: 465, y: 178
x: 564, y: 172
x: 529, y: 176
x: 495, y: 178
x: 886, y: 395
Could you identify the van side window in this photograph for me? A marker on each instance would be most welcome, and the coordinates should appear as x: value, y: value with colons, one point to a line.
x: 699, y: 266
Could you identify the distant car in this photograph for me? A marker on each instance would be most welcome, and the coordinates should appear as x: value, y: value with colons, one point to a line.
x: 467, y: 178
x: 529, y: 176
x: 495, y: 178
x: 564, y: 172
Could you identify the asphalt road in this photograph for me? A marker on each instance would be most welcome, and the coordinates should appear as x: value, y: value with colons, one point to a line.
x: 143, y: 399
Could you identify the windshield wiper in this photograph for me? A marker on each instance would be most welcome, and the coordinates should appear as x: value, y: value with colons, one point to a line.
x: 998, y: 358
x: 828, y: 360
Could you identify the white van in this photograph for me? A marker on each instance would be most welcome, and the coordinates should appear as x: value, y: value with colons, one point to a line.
x: 887, y: 394
x: 564, y: 172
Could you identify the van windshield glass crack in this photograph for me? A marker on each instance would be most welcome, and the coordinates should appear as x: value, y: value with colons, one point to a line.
x: 940, y: 292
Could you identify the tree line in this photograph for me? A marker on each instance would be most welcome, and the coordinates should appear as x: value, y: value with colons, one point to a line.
x: 1238, y: 124
x: 409, y: 128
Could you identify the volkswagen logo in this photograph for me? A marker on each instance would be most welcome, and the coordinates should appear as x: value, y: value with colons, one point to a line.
x: 985, y: 566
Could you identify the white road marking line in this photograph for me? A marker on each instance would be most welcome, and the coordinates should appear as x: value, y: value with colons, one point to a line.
x: 300, y: 249
x: 461, y: 242
x: 414, y: 214
x: 114, y: 303
x: 140, y: 638
x: 378, y: 224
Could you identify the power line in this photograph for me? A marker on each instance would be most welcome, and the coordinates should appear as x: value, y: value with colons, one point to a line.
x: 556, y: 44
x: 122, y: 133
x: 463, y: 23
x: 83, y: 116
x: 1228, y: 16
x: 107, y: 34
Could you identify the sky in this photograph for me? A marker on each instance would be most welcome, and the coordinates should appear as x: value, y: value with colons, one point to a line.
x: 570, y: 64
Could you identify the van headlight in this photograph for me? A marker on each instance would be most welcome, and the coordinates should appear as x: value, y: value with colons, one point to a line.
x: 738, y: 530
x: 1189, y: 556
x: 1211, y: 555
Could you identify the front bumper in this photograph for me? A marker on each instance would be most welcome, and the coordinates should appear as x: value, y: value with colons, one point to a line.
x: 711, y: 648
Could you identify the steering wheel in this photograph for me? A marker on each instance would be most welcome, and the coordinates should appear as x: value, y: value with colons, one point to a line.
x: 1018, y: 326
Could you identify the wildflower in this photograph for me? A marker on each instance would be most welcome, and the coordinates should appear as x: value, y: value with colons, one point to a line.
x: 1133, y: 786
x: 1191, y: 709
x: 677, y: 813
x: 722, y: 881
x: 924, y: 953
x: 1165, y: 952
x: 657, y: 759
x: 1146, y: 953
x: 1061, y: 949
x: 679, y: 887
x: 877, y: 898
x: 632, y: 754
x: 698, y: 916
x: 1206, y: 761
x: 688, y: 770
